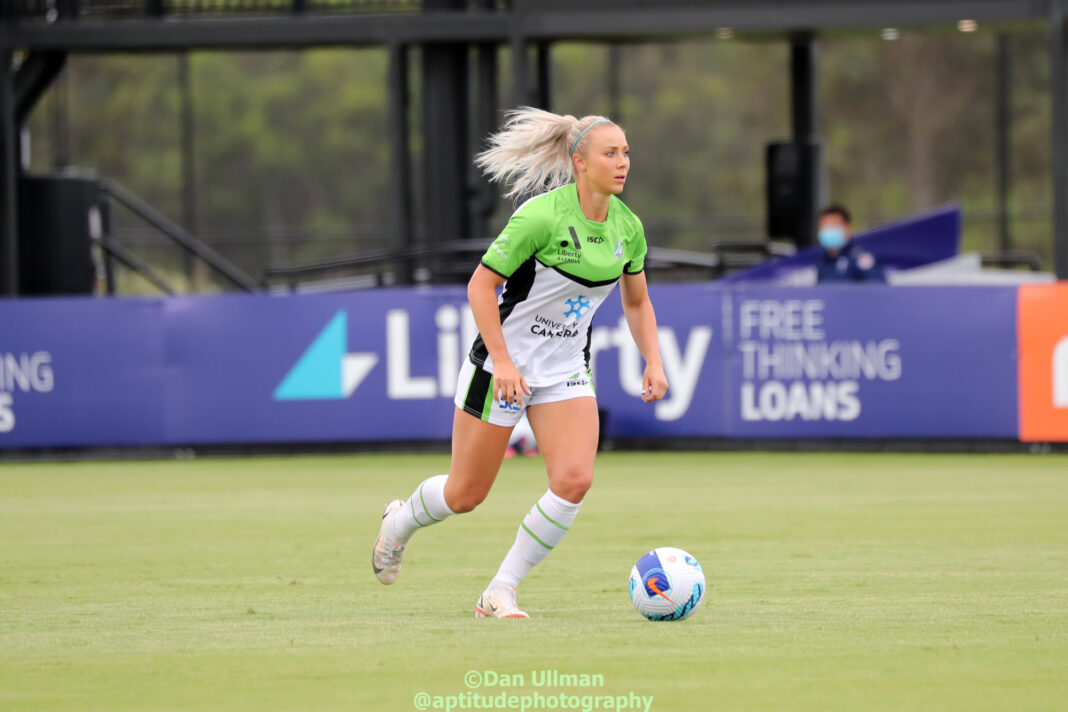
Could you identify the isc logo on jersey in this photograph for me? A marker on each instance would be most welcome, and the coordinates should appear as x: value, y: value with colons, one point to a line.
x: 1042, y: 324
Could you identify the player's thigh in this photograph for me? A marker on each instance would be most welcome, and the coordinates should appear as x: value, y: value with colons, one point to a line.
x: 567, y: 433
x: 477, y: 452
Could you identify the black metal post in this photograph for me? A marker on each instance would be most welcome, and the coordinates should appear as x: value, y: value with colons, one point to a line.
x: 486, y: 120
x: 107, y: 238
x: 445, y: 125
x: 804, y: 120
x: 60, y: 123
x: 1059, y: 76
x: 615, y: 92
x: 520, y: 80
x: 543, y: 95
x: 9, y: 239
x: 189, y: 190
x: 36, y: 73
x: 488, y: 96
x: 804, y: 88
x: 1004, y: 140
x: 400, y: 163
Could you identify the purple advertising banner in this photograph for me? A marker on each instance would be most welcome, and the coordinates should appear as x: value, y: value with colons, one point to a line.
x: 368, y: 365
x: 81, y: 372
x: 691, y: 345
x: 872, y: 362
x: 381, y: 365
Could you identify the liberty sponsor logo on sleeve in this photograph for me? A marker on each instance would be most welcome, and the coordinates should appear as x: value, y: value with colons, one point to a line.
x: 499, y: 244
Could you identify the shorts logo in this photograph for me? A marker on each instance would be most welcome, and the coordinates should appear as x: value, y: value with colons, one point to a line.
x: 578, y: 307
x: 576, y: 380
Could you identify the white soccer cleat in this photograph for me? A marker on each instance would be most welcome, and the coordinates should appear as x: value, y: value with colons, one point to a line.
x: 498, y: 603
x: 387, y: 554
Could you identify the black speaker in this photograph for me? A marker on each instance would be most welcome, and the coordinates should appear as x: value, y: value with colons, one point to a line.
x: 792, y: 191
x: 55, y: 255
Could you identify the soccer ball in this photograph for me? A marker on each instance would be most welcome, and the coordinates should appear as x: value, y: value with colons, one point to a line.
x: 667, y: 584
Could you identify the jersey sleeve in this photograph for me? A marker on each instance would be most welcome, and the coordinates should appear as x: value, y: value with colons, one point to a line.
x: 636, y: 250
x: 525, y: 233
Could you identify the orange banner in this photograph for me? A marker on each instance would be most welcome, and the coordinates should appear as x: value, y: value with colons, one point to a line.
x: 1042, y: 337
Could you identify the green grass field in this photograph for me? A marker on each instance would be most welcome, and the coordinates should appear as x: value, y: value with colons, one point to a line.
x: 836, y: 582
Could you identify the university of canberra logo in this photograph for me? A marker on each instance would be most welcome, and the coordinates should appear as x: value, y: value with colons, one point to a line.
x: 326, y: 371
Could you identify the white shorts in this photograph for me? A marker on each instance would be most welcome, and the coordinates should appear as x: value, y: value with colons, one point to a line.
x: 473, y: 395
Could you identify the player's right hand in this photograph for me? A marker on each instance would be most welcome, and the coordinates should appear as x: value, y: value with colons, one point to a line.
x: 509, y: 385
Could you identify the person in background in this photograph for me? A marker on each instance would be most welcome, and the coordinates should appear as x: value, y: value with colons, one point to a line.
x: 842, y: 260
x: 522, y: 441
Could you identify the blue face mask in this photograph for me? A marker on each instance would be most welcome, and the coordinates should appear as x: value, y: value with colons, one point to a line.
x: 832, y: 237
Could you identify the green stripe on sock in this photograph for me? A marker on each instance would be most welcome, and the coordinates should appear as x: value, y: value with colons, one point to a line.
x: 538, y: 505
x: 413, y: 513
x: 534, y: 536
x: 424, y: 504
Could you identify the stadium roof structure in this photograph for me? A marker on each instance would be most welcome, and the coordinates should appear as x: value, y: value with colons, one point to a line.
x: 43, y: 32
x: 168, y: 25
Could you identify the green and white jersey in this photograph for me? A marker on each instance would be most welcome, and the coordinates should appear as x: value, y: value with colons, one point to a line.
x: 560, y: 266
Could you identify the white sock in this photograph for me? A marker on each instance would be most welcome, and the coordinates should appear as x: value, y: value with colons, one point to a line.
x: 426, y: 506
x: 541, y: 530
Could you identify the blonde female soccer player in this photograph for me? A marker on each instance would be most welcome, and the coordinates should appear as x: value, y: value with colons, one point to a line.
x: 559, y: 257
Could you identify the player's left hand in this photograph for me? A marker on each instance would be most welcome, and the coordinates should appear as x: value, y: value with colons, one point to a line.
x: 654, y: 383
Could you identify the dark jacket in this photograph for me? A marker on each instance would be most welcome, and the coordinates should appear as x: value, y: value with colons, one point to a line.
x: 851, y: 263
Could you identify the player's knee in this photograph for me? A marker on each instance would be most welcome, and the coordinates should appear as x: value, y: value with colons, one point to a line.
x: 573, y: 484
x: 462, y: 502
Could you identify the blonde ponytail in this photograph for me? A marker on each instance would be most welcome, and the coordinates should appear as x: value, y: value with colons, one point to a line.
x: 532, y: 152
